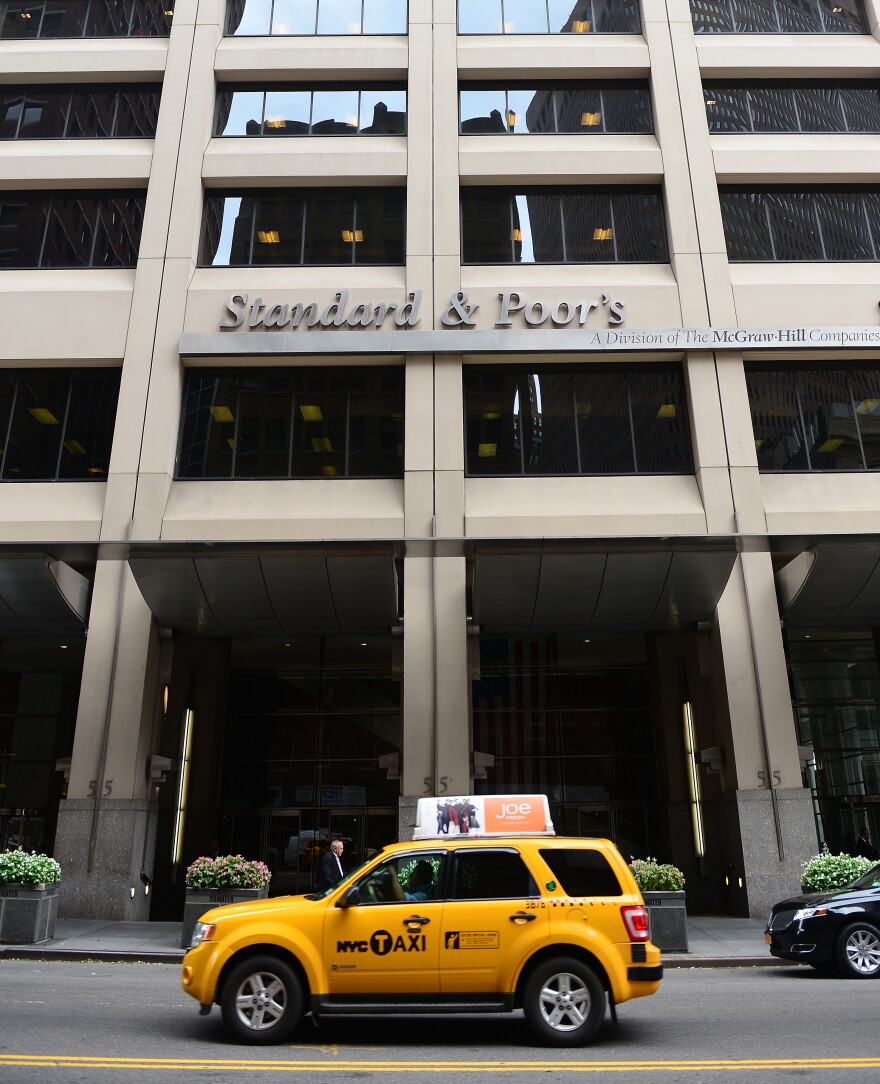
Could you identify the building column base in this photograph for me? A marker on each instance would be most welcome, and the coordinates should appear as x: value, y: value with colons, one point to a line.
x: 124, y: 845
x: 765, y: 878
x: 406, y: 816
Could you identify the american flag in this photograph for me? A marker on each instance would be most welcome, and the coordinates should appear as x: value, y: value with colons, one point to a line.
x: 511, y: 717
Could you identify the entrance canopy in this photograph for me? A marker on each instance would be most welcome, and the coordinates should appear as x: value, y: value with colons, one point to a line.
x: 41, y: 597
x: 834, y: 584
x: 269, y: 594
x: 618, y: 586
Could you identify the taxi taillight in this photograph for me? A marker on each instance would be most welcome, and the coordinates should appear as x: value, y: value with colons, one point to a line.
x: 636, y: 921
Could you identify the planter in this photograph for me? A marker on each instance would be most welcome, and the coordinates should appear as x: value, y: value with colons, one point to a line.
x: 28, y: 913
x: 669, y: 930
x: 199, y: 900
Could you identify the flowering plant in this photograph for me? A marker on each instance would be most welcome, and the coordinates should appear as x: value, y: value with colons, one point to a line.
x: 654, y: 876
x: 826, y: 872
x: 20, y: 867
x: 227, y: 871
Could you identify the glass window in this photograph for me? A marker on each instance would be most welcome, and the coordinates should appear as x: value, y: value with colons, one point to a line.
x: 287, y: 112
x: 240, y: 112
x: 227, y: 219
x: 492, y: 875
x: 411, y: 876
x: 375, y: 442
x: 22, y: 229
x: 846, y: 234
x: 777, y: 16
x: 379, y: 228
x: 564, y: 422
x: 525, y: 17
x: 262, y: 431
x: 119, y: 227
x: 385, y: 17
x: 582, y: 872
x: 34, y: 440
x: 85, y: 18
x: 616, y: 17
x: 583, y: 225
x: 92, y: 114
x: 210, y: 411
x: 339, y: 16
x: 330, y: 235
x: 773, y: 109
x: 529, y: 111
x: 137, y: 113
x: 70, y: 232
x: 253, y: 17
x: 624, y: 109
x: 745, y: 226
x: 483, y: 17
x: 43, y: 113
x: 335, y: 112
x: 483, y: 111
x: 383, y: 112
x: 819, y: 109
x: 291, y: 17
x: 727, y: 109
x: 861, y: 106
x: 278, y: 230
x: 320, y: 426
x: 88, y: 431
x: 794, y: 227
x: 776, y: 420
x: 866, y: 397
x: 829, y: 420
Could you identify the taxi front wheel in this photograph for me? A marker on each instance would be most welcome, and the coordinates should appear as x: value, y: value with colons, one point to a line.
x: 262, y: 1001
x: 564, y: 1002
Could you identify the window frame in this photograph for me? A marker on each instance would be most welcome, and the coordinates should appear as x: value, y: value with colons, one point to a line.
x: 791, y: 85
x: 554, y: 87
x: 70, y: 89
x: 311, y: 89
x: 227, y: 32
x: 454, y: 865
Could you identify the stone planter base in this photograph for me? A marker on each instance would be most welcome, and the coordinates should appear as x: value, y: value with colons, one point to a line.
x: 199, y: 900
x: 28, y: 913
x: 669, y: 930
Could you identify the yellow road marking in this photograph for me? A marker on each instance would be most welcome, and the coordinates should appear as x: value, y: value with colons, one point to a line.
x: 539, y: 1065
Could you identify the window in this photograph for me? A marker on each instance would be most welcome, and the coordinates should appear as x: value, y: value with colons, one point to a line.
x: 58, y: 112
x: 85, y: 18
x: 300, y: 17
x: 819, y: 225
x: 287, y: 110
x: 793, y: 107
x: 73, y: 229
x: 815, y: 419
x: 562, y: 421
x: 332, y: 423
x: 414, y: 877
x: 289, y: 226
x: 778, y: 17
x: 57, y: 424
x: 585, y: 108
x: 563, y: 225
x: 582, y: 873
x: 492, y: 875
x: 548, y: 17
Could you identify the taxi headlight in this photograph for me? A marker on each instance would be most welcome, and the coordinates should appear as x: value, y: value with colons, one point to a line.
x: 809, y: 912
x: 202, y: 931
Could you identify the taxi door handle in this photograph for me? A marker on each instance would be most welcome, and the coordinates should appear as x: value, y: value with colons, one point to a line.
x: 522, y: 916
x: 416, y: 920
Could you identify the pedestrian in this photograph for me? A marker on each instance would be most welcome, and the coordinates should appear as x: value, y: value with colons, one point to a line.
x: 863, y: 848
x: 331, y: 871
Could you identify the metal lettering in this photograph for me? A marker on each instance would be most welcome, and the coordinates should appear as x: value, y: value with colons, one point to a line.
x: 256, y: 318
x: 235, y: 306
x: 382, y: 310
x: 511, y: 302
x: 408, y: 313
x: 458, y: 304
x: 277, y: 316
x: 334, y: 314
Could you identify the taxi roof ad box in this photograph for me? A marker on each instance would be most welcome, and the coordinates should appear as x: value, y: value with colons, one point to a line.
x: 483, y: 815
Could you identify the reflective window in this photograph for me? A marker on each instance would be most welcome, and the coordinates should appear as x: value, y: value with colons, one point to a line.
x: 303, y: 423
x: 561, y: 421
x: 287, y: 111
x: 778, y: 17
x: 582, y: 872
x: 57, y: 423
x: 492, y: 875
x: 815, y: 419
x: 83, y: 229
x: 85, y: 18
x: 300, y: 17
x: 793, y: 107
x: 549, y: 17
x: 818, y: 225
x: 586, y: 108
x: 304, y: 226
x: 576, y: 225
x: 59, y: 112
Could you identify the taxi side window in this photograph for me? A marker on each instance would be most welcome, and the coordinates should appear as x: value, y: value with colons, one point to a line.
x: 582, y: 872
x: 492, y: 875
x: 404, y: 877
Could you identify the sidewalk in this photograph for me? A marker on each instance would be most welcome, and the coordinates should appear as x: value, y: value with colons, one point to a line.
x: 716, y: 941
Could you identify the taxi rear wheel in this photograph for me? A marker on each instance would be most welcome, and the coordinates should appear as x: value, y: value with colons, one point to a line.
x: 564, y: 1002
x: 262, y: 1001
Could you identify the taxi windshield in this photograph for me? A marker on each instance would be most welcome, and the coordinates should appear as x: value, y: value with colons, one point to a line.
x: 351, y: 873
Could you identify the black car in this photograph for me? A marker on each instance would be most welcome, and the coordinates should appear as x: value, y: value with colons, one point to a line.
x: 831, y: 930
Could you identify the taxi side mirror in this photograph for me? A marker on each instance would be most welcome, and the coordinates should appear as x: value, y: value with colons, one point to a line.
x: 349, y: 898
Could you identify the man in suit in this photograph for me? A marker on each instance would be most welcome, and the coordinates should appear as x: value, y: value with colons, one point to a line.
x: 331, y: 871
x: 863, y: 846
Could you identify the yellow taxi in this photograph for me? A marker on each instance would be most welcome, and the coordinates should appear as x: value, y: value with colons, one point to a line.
x: 485, y: 910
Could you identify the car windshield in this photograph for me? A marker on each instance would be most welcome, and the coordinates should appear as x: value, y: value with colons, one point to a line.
x: 871, y: 879
x: 351, y: 873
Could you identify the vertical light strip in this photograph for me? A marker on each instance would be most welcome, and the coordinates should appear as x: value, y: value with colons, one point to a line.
x: 182, y: 785
x: 693, y: 780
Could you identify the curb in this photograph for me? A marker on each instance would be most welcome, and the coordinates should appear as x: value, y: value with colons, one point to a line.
x: 680, y: 961
x: 107, y: 956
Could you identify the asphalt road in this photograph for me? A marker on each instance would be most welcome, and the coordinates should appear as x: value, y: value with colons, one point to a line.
x: 62, y: 1023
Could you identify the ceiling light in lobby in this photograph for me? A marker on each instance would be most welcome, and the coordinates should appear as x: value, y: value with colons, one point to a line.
x: 222, y: 414
x: 73, y: 447
x: 580, y: 26
x: 268, y: 237
x: 868, y: 406
x: 590, y: 120
x: 43, y: 415
x: 667, y: 410
x: 352, y: 235
x: 487, y: 451
x: 603, y: 234
x: 311, y: 413
x: 322, y: 444
x: 276, y: 122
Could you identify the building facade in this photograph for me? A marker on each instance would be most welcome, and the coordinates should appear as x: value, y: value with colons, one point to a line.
x: 437, y: 398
